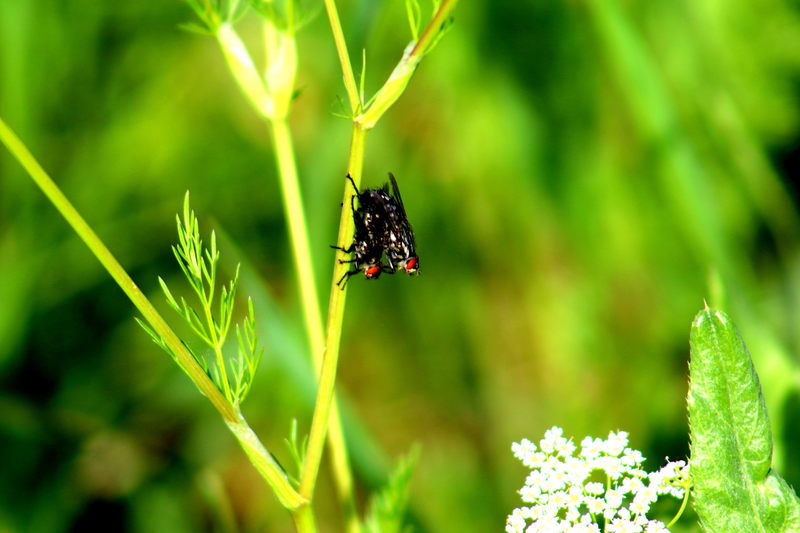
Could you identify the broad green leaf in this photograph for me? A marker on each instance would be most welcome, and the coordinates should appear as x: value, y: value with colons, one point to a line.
x: 735, y: 487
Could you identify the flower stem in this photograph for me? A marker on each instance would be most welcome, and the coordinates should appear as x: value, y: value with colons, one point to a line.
x: 683, y: 508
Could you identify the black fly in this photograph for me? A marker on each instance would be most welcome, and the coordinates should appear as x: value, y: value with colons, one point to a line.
x: 401, y: 251
x: 370, y: 221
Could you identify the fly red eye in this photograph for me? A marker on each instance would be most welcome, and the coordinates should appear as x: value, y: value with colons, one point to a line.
x: 371, y: 271
x: 412, y: 264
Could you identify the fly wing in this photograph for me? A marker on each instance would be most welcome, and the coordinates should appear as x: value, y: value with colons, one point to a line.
x: 396, y: 194
x: 402, y: 219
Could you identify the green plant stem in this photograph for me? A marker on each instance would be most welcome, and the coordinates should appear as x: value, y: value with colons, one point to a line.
x: 319, y: 423
x: 344, y: 57
x: 299, y: 236
x: 266, y: 466
x: 342, y: 470
x: 247, y: 439
x: 304, y: 520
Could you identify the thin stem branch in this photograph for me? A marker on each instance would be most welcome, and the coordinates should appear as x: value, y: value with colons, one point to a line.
x: 683, y: 507
x: 344, y: 57
x: 247, y: 439
x: 215, y: 340
x: 398, y: 80
x: 54, y: 194
x: 433, y: 28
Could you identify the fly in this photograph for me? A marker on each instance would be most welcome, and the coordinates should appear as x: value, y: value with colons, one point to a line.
x: 401, y: 250
x: 367, y: 247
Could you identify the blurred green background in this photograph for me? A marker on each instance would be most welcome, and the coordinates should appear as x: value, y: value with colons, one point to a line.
x: 580, y: 175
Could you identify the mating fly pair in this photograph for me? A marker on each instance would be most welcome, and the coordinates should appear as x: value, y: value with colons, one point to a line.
x: 381, y: 226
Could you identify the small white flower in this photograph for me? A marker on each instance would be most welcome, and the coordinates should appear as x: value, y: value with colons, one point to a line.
x: 572, y: 515
x: 549, y: 510
x: 575, y: 497
x: 558, y: 478
x: 530, y: 493
x: 565, y: 448
x: 619, y: 525
x: 551, y: 436
x: 546, y: 525
x: 616, y: 443
x: 657, y: 480
x: 559, y: 499
x: 595, y: 505
x: 535, y: 459
x: 624, y: 513
x: 614, y: 498
x: 633, y: 485
x: 612, y: 467
x: 630, y: 527
x: 592, y: 448
x: 639, y: 505
x: 673, y: 470
x: 632, y: 457
x: 537, y: 480
x: 637, y: 472
x: 595, y: 488
x: 534, y: 528
x: 515, y: 522
x: 648, y: 493
x: 534, y: 513
x: 577, y: 470
x: 654, y: 526
x: 677, y: 492
x: 524, y: 448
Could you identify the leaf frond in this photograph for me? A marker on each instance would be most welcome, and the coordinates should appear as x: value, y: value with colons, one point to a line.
x: 387, y: 507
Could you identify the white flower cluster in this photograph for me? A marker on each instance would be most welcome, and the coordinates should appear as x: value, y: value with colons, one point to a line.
x: 566, y: 501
